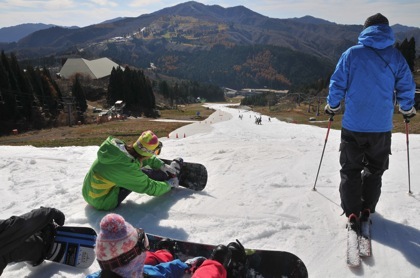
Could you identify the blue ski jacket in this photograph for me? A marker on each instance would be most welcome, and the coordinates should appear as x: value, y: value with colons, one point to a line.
x: 371, y: 76
x: 175, y: 268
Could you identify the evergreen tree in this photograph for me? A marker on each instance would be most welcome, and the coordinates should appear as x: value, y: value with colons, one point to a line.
x: 150, y: 101
x: 128, y: 89
x: 6, y: 96
x: 408, y: 50
x: 411, y: 53
x: 55, y: 89
x: 15, y: 96
x: 175, y: 94
x: 115, y: 86
x: 132, y: 87
x: 52, y: 96
x: 4, y: 79
x: 164, y: 88
x: 79, y: 95
x: 29, y: 98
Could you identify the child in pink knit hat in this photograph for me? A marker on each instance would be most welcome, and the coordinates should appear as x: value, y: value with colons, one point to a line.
x: 117, y: 242
x: 122, y: 251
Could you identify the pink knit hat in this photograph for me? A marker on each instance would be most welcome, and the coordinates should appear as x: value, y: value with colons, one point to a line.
x: 115, y: 237
x: 120, y: 247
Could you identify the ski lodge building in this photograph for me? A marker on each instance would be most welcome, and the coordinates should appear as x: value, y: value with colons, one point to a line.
x: 95, y: 69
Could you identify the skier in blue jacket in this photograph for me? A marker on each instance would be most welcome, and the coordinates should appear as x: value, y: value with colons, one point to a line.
x: 370, y: 76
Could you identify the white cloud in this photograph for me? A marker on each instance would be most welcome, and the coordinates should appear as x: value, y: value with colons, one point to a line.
x: 105, y: 3
x: 144, y: 3
x: 37, y: 5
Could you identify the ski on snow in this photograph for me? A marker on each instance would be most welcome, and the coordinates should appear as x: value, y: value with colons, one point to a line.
x: 353, y: 257
x: 358, y: 241
x: 365, y: 245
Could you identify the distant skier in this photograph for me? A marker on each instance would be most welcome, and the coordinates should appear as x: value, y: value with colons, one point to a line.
x: 28, y: 237
x: 117, y: 171
x: 370, y: 76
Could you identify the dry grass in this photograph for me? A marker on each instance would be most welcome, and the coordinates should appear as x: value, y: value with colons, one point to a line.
x: 300, y: 115
x: 130, y: 129
x: 94, y: 134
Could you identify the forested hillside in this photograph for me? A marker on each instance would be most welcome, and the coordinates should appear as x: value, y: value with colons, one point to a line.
x: 233, y: 47
x: 31, y: 98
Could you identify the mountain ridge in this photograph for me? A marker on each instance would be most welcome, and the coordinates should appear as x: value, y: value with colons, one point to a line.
x: 306, y: 32
x: 302, y: 34
x: 15, y: 33
x: 188, y: 39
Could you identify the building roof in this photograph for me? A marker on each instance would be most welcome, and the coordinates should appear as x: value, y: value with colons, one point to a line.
x: 96, y: 69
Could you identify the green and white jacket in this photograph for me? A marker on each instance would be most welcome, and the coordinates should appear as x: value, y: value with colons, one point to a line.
x: 115, y: 168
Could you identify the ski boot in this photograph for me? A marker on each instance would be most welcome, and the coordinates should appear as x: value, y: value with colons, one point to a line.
x: 353, y: 223
x: 364, y: 215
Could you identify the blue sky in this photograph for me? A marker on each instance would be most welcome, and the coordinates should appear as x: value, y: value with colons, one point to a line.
x: 86, y: 12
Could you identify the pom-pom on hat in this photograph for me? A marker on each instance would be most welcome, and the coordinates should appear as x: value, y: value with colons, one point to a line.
x: 375, y: 19
x: 115, y: 237
x: 146, y: 144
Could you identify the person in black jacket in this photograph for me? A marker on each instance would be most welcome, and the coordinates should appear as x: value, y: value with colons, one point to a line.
x: 28, y: 237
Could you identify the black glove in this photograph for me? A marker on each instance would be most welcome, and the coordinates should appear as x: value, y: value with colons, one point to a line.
x: 59, y: 217
x: 332, y: 110
x: 408, y: 114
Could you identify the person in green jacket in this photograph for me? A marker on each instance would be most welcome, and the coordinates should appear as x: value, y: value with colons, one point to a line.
x: 117, y: 171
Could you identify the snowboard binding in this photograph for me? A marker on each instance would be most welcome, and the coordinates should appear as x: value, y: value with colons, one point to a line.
x: 238, y: 265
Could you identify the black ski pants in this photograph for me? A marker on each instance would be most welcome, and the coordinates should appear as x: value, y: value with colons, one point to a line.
x: 28, y: 237
x: 156, y: 175
x: 364, y: 158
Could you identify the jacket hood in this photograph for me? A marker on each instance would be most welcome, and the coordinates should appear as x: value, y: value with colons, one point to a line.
x: 377, y: 36
x: 112, y: 151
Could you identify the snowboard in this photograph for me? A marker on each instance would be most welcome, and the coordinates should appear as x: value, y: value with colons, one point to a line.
x: 74, y: 246
x: 261, y: 263
x: 192, y: 176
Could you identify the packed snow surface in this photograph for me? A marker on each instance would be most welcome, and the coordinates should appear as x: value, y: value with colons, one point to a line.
x: 259, y: 191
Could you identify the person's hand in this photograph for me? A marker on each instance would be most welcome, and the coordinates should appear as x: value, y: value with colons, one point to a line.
x: 59, y: 217
x: 173, y: 183
x: 332, y: 110
x: 409, y: 113
x: 169, y: 170
x: 177, y: 164
x: 195, y: 263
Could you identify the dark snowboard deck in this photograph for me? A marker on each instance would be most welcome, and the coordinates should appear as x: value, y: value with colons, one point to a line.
x: 193, y: 175
x: 262, y: 263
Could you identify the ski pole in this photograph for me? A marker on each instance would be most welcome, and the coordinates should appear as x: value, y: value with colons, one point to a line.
x: 323, y: 150
x: 407, y: 120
